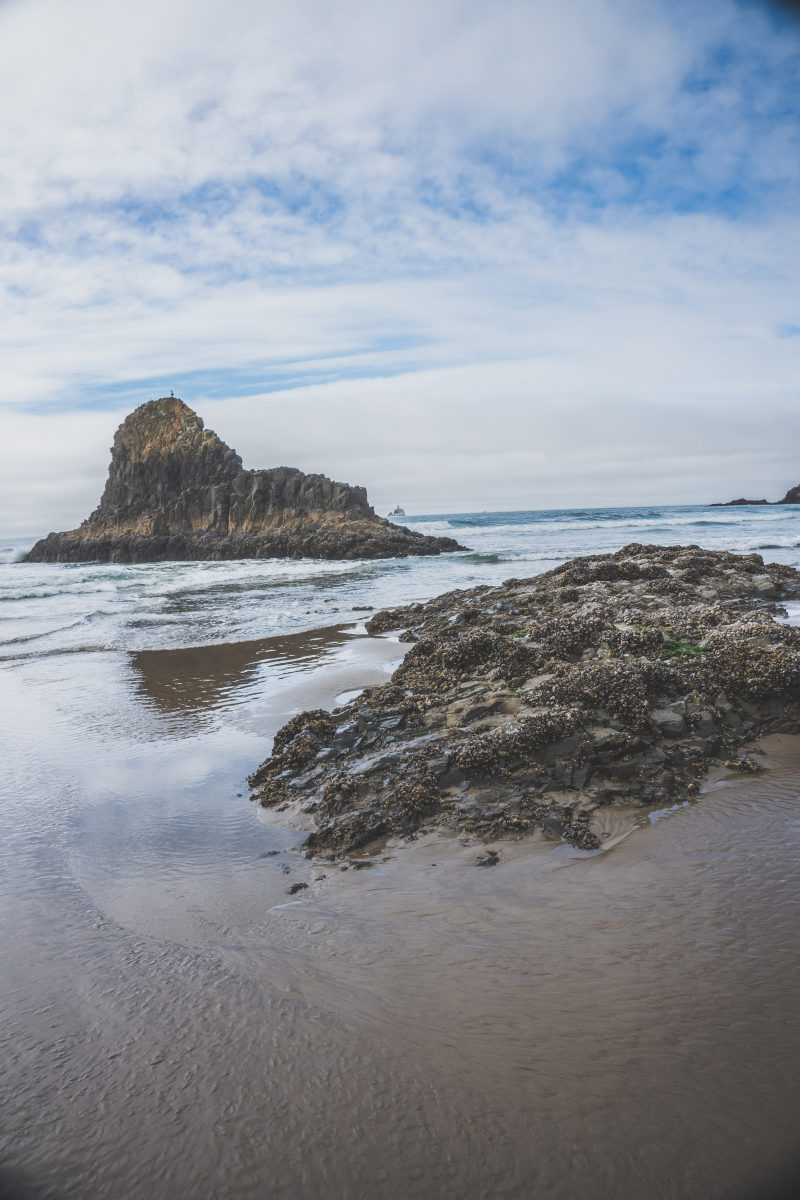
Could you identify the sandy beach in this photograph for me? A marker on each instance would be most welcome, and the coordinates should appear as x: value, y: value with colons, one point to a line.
x: 562, y: 1024
x: 499, y: 1018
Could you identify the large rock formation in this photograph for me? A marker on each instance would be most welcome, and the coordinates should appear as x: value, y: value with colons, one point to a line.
x: 176, y: 491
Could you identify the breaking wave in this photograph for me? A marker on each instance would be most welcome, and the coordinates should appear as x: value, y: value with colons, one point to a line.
x: 69, y: 607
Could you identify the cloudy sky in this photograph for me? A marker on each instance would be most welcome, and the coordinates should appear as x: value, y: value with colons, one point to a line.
x: 529, y: 253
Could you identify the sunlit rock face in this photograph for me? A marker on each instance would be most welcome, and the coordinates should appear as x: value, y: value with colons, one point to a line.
x: 176, y: 491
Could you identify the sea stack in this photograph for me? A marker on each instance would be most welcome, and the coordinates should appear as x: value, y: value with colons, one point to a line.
x: 175, y: 491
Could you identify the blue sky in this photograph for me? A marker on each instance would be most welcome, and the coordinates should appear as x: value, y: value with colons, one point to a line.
x: 468, y: 255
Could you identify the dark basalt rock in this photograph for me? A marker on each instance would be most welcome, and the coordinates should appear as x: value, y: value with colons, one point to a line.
x: 791, y: 497
x: 740, y: 501
x: 176, y: 491
x: 613, y: 680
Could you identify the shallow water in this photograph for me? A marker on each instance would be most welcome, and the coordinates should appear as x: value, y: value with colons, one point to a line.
x: 175, y: 1024
x: 560, y: 1025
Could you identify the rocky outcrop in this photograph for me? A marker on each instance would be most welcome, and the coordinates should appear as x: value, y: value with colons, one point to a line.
x: 176, y: 491
x: 791, y: 497
x: 614, y: 681
x: 734, y: 503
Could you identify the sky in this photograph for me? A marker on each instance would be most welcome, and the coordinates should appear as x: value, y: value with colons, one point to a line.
x: 526, y: 254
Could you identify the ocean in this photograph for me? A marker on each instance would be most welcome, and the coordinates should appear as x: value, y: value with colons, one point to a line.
x: 54, y: 609
x: 175, y: 1023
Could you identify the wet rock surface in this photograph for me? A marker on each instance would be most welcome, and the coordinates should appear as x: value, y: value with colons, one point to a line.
x: 614, y: 680
x: 175, y: 491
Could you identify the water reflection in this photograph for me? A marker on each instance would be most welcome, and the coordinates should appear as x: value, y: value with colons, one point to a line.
x: 203, y: 678
x: 177, y: 1024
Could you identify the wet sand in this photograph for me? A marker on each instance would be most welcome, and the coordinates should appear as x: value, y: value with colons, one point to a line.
x: 563, y: 1024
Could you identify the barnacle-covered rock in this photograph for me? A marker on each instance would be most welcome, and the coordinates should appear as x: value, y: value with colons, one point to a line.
x: 435, y: 664
x: 315, y: 721
x: 515, y: 740
x: 615, y: 679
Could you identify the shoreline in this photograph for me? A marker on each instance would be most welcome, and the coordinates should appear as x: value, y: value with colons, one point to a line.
x: 405, y: 862
x: 315, y: 665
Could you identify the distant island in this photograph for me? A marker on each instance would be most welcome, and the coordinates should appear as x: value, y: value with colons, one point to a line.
x: 175, y: 491
x: 791, y: 497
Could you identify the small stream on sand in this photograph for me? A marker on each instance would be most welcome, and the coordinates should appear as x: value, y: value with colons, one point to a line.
x: 175, y: 1024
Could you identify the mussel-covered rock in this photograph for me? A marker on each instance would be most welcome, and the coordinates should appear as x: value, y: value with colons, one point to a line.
x: 615, y: 679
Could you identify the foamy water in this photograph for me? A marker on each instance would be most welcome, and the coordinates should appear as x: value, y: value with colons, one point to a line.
x: 71, y: 607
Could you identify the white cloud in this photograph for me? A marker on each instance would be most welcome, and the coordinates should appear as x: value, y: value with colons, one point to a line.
x: 441, y: 198
x: 462, y: 438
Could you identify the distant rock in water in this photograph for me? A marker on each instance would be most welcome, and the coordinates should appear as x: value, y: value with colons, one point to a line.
x: 733, y: 503
x: 791, y: 497
x: 176, y: 491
